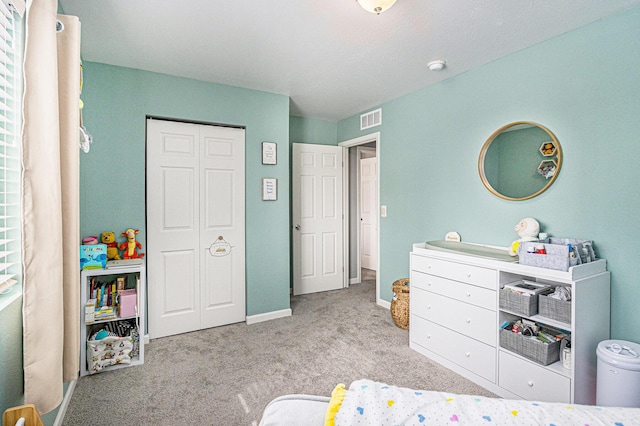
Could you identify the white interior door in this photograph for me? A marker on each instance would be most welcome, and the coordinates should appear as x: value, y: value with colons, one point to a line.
x: 195, y: 194
x: 318, y: 262
x: 369, y: 213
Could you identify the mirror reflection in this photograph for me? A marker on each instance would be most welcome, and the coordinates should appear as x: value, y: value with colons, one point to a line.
x: 520, y: 160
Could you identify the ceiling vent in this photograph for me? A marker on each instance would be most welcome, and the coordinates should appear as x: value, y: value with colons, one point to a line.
x: 371, y: 119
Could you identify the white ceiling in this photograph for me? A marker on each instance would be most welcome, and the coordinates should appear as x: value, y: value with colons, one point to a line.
x: 332, y: 58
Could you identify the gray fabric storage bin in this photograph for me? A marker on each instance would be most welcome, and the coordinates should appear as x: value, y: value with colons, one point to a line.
x: 530, y: 348
x: 511, y: 341
x: 518, y: 303
x: 557, y: 256
x: 559, y: 310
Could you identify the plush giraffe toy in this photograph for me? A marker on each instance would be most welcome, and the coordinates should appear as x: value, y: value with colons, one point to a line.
x: 131, y: 246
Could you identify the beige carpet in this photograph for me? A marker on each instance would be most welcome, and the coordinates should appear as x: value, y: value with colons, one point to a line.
x: 227, y: 375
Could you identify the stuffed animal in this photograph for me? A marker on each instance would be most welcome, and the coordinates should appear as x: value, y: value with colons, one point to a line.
x: 131, y: 246
x: 527, y: 229
x: 92, y: 239
x: 109, y: 238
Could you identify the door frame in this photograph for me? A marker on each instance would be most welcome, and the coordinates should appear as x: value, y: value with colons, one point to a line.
x: 372, y: 137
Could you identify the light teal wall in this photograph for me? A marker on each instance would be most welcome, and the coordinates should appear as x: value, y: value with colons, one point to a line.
x: 312, y: 130
x: 112, y: 189
x: 585, y: 87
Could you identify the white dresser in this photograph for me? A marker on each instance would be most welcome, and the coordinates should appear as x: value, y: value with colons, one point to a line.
x: 455, y: 320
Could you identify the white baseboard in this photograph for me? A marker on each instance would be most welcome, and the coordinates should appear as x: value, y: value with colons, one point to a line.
x: 62, y: 410
x: 384, y: 303
x: 268, y: 316
x: 354, y: 281
x: 146, y: 339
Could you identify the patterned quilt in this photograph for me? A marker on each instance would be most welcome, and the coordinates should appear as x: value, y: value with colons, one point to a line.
x: 371, y: 403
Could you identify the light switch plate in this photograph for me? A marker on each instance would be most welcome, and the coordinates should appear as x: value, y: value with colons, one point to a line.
x: 383, y: 211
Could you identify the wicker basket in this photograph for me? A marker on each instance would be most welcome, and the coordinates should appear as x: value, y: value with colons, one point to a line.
x: 400, y: 303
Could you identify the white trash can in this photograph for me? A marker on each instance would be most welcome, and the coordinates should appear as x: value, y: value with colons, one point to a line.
x: 618, y: 380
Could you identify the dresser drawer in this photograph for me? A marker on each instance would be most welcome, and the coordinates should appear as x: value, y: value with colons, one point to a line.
x: 468, y: 293
x: 456, y: 271
x: 463, y: 351
x: 531, y: 381
x: 470, y: 320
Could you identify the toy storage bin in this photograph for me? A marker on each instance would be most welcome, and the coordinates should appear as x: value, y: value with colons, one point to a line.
x: 559, y: 310
x: 107, y: 352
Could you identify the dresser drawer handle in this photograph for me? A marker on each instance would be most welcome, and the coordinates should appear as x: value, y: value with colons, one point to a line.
x: 468, y: 320
x: 530, y: 383
x: 428, y: 336
x: 429, y: 284
x: 429, y: 307
x: 468, y: 354
x: 468, y: 294
x: 469, y: 275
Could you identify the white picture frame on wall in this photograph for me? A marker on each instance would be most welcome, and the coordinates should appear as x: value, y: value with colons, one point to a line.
x: 269, y: 189
x: 269, y: 153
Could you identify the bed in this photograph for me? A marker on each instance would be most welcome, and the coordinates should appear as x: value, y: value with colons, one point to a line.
x: 367, y: 402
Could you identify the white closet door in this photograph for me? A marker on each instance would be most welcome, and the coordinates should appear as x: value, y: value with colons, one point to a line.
x: 222, y: 208
x: 195, y: 194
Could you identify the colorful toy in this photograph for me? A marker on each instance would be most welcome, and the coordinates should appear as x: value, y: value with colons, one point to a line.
x: 109, y: 238
x: 527, y: 229
x: 92, y: 239
x: 131, y: 246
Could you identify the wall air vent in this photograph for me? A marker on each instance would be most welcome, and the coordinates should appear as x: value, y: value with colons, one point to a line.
x: 371, y: 119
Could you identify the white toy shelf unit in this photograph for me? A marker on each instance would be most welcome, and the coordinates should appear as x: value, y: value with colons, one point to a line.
x: 112, y: 317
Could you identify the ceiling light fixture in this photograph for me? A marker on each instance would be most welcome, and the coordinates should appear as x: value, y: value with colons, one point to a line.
x: 376, y: 6
x: 437, y: 65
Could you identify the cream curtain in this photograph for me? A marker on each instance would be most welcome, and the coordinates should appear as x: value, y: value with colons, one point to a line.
x: 50, y: 233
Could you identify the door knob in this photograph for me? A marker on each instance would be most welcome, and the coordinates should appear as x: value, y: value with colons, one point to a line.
x: 297, y: 227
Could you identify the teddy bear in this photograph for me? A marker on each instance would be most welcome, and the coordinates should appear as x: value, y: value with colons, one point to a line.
x: 528, y: 230
x: 109, y: 238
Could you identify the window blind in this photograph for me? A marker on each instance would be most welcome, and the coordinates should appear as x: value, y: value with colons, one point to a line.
x: 10, y: 141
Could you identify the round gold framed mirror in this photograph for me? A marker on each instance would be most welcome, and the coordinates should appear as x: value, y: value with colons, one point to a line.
x: 520, y: 161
